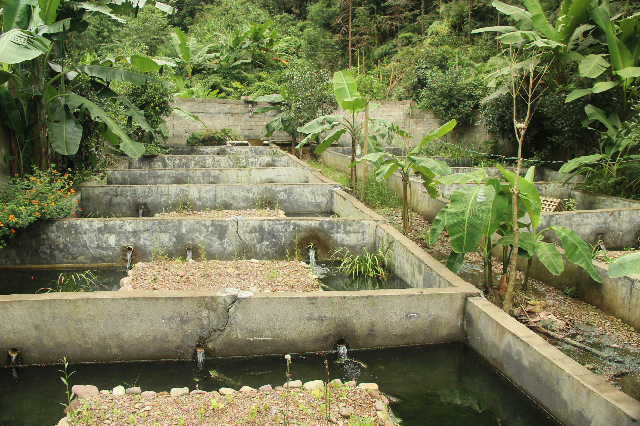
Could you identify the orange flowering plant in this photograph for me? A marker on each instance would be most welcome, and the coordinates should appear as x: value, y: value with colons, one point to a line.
x: 41, y: 195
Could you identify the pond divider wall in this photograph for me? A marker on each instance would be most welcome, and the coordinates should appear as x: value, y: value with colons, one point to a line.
x: 570, y: 392
x: 619, y: 297
x: 213, y: 161
x: 209, y: 176
x: 125, y: 200
x: 103, y: 241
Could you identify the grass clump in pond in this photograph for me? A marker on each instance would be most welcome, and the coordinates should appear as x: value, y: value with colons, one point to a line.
x: 368, y: 264
x: 73, y: 282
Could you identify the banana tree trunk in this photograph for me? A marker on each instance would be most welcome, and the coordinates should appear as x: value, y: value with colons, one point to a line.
x: 405, y: 205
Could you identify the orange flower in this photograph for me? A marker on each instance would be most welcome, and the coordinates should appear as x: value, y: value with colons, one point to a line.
x: 73, y: 191
x: 13, y: 231
x: 34, y: 190
x: 37, y: 181
x: 52, y: 203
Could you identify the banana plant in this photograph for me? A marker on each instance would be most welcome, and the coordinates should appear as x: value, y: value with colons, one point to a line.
x: 477, y: 211
x: 625, y: 266
x: 567, y: 41
x: 349, y: 99
x: 46, y: 99
x: 189, y: 50
x: 285, y: 121
x: 615, y: 163
x: 480, y: 210
x: 386, y: 164
x: 622, y: 48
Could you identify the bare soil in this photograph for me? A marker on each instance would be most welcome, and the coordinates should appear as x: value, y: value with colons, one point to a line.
x: 250, y: 407
x: 253, y: 275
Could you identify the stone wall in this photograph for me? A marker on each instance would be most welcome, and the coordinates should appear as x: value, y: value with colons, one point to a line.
x: 219, y: 113
x: 237, y: 115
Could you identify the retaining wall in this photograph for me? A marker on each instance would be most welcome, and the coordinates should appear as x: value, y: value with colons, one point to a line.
x: 207, y: 161
x: 237, y: 115
x: 126, y: 200
x: 226, y: 150
x: 257, y: 175
x: 104, y: 241
x: 619, y: 297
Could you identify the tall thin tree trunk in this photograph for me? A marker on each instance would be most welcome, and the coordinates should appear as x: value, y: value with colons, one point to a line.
x: 470, y: 3
x: 422, y: 17
x: 350, y: 53
x: 366, y: 146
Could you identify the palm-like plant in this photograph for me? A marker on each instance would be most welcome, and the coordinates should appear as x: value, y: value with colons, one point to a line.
x: 42, y: 105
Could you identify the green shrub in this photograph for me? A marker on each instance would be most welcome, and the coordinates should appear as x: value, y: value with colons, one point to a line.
x: 377, y: 194
x: 212, y: 137
x: 42, y: 195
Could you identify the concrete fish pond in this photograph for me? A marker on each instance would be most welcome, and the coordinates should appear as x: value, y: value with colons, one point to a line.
x: 437, y: 384
x: 436, y: 307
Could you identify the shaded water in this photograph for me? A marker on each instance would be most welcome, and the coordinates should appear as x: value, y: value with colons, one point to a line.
x: 29, y: 281
x: 437, y: 385
x: 340, y: 282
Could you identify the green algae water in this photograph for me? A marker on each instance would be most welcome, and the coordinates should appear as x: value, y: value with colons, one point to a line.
x: 30, y: 281
x: 445, y: 385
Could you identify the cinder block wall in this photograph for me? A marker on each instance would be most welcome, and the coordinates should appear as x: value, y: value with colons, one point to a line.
x: 218, y: 113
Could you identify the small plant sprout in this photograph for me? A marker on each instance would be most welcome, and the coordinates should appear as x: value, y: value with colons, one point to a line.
x: 65, y: 379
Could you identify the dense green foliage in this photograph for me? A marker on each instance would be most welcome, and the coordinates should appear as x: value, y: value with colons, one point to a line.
x: 212, y: 137
x: 426, y: 51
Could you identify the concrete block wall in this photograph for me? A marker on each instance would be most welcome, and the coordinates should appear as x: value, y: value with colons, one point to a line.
x: 218, y: 113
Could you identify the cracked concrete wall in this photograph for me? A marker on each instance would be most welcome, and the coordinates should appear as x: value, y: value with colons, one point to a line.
x: 212, y: 161
x: 104, y: 241
x: 345, y: 205
x: 125, y: 200
x: 209, y: 176
x: 305, y: 322
x: 144, y: 325
x: 570, y: 392
x: 109, y: 326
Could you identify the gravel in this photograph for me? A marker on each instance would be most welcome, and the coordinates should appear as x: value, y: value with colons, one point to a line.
x: 263, y: 275
x: 248, y: 407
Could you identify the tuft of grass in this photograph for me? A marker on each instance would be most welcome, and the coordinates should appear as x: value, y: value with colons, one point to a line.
x: 377, y: 194
x: 370, y: 264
